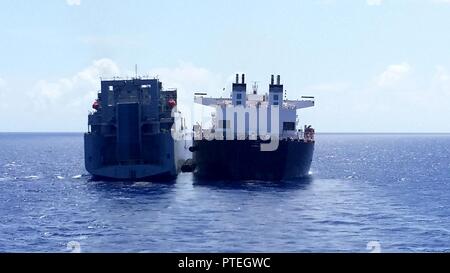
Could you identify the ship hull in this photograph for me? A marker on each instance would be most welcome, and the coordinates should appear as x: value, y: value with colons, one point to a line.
x: 164, y: 160
x: 244, y: 160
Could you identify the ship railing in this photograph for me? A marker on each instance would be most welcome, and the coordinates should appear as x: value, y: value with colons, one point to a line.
x: 210, y: 134
x: 118, y: 78
x: 169, y: 90
x: 295, y: 135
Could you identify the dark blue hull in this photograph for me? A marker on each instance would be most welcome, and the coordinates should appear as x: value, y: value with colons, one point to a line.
x: 161, y: 158
x: 164, y: 177
x: 243, y: 160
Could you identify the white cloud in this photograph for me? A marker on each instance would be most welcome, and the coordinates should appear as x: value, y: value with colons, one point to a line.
x: 72, y: 92
x: 62, y: 104
x: 374, y: 2
x: 372, y: 107
x: 73, y: 2
x: 393, y: 75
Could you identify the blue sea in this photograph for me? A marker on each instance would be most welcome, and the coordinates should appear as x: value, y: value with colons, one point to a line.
x: 387, y: 191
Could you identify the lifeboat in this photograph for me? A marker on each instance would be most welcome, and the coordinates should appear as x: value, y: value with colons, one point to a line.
x: 171, y: 103
x: 96, y: 105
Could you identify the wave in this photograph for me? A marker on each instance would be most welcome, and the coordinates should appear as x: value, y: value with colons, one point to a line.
x: 32, y: 177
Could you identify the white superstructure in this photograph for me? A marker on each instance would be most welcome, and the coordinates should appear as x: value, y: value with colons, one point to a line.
x: 251, y: 115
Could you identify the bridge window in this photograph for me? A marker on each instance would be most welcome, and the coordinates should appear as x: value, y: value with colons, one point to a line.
x: 111, y: 96
x: 288, y: 126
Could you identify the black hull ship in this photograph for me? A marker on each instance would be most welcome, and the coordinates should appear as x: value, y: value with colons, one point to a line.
x: 240, y: 155
x: 243, y: 160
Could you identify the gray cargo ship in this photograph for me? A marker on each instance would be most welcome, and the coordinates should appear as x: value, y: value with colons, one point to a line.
x: 129, y: 135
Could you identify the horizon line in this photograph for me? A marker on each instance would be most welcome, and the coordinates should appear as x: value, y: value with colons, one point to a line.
x: 318, y: 133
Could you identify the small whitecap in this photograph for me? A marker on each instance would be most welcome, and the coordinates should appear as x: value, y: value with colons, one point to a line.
x: 60, y: 177
x: 142, y: 184
x: 77, y: 176
x: 32, y: 177
x: 12, y: 164
x: 122, y: 198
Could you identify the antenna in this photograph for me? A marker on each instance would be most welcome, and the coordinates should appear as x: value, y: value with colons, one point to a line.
x: 136, y: 70
x: 255, y: 88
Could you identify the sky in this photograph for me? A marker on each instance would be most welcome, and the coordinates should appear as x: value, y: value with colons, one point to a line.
x: 372, y: 65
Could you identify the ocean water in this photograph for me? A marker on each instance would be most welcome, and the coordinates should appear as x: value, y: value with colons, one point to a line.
x: 387, y: 191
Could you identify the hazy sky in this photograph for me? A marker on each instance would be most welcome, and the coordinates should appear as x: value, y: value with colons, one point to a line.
x: 373, y: 65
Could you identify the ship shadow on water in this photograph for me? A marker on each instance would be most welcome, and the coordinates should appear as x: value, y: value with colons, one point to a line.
x: 255, y: 185
x: 130, y: 188
x: 156, y: 180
